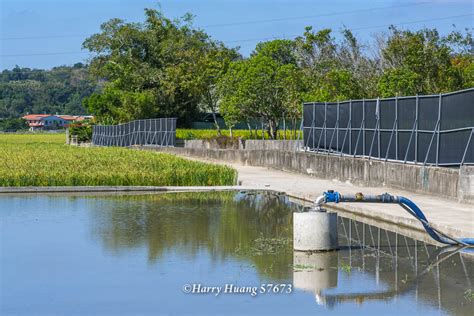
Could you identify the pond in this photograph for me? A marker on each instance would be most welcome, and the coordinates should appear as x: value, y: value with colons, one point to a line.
x: 142, y: 254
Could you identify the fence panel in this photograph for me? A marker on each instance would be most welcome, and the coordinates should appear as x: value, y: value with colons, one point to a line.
x: 157, y: 132
x: 432, y: 129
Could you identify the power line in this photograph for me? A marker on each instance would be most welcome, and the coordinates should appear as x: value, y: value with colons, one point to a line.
x: 268, y: 38
x: 241, y: 23
x: 314, y: 16
x: 43, y: 54
x: 413, y: 22
x: 355, y: 29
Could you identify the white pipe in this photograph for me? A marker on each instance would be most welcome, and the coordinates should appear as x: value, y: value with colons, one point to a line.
x: 320, y: 200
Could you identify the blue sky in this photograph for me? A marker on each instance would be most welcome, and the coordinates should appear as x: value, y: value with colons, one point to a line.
x: 48, y: 33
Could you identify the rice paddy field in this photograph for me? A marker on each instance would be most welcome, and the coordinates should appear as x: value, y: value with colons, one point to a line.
x: 44, y: 160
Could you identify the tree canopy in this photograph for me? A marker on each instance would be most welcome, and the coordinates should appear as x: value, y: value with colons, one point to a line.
x: 267, y: 85
x: 159, y: 68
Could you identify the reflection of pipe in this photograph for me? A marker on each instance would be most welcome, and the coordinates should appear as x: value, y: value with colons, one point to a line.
x: 314, y: 272
x: 408, y: 205
x: 333, y: 298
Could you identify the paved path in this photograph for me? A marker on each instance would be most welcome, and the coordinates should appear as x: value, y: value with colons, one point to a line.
x: 456, y: 219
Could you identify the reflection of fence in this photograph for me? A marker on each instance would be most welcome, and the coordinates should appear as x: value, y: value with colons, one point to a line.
x: 158, y: 132
x: 431, y: 129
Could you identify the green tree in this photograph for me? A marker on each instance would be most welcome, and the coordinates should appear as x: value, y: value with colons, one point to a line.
x: 333, y: 70
x: 13, y: 124
x: 262, y: 86
x: 425, y: 62
x: 156, y: 68
x: 211, y: 65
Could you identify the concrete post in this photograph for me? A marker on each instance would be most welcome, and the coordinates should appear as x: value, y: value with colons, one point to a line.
x: 314, y: 231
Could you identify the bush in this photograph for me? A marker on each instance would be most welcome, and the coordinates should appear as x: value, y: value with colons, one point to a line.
x: 13, y: 125
x: 189, y: 134
x: 82, y: 131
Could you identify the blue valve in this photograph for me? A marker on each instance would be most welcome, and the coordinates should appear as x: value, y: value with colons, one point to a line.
x: 332, y: 196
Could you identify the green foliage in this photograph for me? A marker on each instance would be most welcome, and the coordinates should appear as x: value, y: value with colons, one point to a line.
x: 182, y: 133
x: 159, y: 68
x: 82, y: 131
x: 401, y: 81
x: 44, y: 160
x: 59, y: 90
x: 423, y: 62
x: 346, y: 268
x: 267, y: 85
x: 13, y: 124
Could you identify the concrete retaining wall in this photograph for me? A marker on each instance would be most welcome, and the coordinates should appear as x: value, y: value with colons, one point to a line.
x: 285, y: 145
x: 447, y: 182
x: 466, y: 183
x: 212, y: 144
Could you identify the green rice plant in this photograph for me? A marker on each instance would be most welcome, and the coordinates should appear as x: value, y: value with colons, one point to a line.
x: 30, y: 138
x: 44, y: 160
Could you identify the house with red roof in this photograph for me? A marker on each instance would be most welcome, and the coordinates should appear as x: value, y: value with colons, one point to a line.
x: 51, y: 122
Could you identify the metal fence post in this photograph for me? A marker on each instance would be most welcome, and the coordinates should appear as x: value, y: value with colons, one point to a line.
x: 396, y: 127
x: 313, y: 124
x: 378, y: 125
x: 431, y: 143
x: 363, y: 127
x: 350, y: 127
x: 325, y: 125
x: 337, y: 123
x: 439, y: 127
x: 417, y: 106
x: 467, y: 146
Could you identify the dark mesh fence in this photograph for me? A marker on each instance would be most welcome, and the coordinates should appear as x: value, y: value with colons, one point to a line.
x: 434, y: 129
x: 158, y: 132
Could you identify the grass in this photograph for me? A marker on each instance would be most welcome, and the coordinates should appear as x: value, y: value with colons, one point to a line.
x: 303, y: 267
x: 44, y: 160
x: 469, y: 295
x: 346, y: 268
x: 187, y: 134
x: 270, y: 245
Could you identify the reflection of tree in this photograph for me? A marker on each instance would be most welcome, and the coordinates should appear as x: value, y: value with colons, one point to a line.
x: 224, y: 224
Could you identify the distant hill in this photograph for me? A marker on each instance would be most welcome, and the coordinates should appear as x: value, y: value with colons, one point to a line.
x: 59, y: 90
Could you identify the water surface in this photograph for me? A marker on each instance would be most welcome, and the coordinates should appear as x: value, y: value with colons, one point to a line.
x: 136, y: 254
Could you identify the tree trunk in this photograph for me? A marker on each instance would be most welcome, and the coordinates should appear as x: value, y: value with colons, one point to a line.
x: 272, y: 129
x: 250, y: 130
x: 214, y: 117
x: 294, y: 129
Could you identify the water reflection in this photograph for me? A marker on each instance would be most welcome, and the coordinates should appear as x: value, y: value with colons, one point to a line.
x: 255, y: 228
x: 373, y: 264
x: 392, y: 266
x: 315, y: 272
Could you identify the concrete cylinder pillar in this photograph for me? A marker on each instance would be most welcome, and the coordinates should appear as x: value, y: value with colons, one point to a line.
x: 314, y: 231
